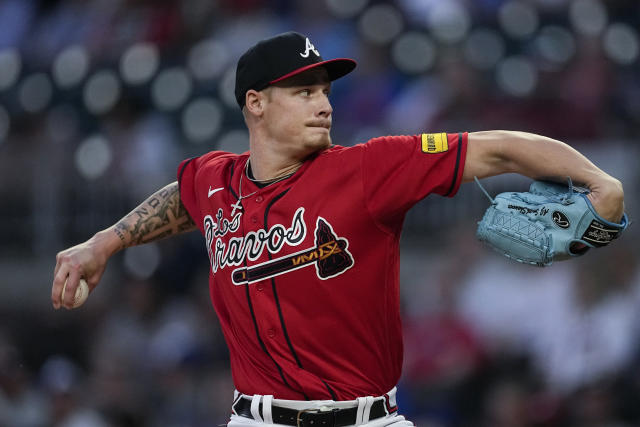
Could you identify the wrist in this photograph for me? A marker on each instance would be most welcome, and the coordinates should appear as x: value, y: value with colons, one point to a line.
x: 607, y: 197
x: 107, y: 242
x: 610, y: 190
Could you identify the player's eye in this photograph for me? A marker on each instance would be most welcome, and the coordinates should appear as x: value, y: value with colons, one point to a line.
x: 305, y: 92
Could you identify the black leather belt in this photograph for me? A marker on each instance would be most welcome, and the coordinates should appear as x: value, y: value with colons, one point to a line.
x: 311, y: 417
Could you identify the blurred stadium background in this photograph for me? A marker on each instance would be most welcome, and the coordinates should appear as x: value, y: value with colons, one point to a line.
x: 100, y: 100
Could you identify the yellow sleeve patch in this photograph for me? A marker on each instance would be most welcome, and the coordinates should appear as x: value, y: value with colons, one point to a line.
x: 434, y: 143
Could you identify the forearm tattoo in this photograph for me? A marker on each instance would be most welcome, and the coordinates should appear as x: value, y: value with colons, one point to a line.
x: 160, y: 216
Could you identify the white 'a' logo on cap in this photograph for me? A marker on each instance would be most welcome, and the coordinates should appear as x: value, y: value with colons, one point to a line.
x: 309, y: 48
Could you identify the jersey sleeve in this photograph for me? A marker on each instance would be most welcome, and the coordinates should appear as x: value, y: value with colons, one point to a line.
x: 188, y: 183
x: 399, y: 171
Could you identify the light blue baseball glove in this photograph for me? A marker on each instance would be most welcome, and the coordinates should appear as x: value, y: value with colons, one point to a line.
x: 550, y: 222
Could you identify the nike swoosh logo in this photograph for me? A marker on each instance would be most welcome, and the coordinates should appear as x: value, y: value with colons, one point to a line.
x: 212, y: 192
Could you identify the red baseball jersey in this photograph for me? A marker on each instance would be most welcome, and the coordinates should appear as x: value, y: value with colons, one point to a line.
x: 305, y: 272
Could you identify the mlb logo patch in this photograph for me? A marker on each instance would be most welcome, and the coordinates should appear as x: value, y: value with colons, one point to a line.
x: 434, y: 143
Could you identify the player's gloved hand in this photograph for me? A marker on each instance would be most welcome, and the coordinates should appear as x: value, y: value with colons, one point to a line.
x: 87, y: 260
x: 550, y: 222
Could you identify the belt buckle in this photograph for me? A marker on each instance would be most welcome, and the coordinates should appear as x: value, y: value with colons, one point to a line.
x: 298, y: 417
x: 314, y: 411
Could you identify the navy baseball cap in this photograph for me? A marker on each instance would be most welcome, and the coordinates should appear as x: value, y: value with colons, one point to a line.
x: 277, y: 58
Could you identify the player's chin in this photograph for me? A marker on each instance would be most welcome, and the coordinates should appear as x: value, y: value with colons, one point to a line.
x: 319, y: 141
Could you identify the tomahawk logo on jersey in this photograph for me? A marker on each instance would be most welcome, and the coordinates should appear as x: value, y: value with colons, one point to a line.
x: 329, y: 255
x: 287, y: 261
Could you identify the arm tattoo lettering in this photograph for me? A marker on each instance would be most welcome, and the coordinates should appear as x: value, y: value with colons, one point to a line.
x: 160, y: 216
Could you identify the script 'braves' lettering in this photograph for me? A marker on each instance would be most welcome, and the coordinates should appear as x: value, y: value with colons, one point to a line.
x: 251, y: 246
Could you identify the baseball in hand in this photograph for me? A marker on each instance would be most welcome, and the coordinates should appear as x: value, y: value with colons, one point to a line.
x: 82, y: 292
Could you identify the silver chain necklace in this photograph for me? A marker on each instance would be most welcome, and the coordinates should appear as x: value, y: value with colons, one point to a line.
x: 238, y: 204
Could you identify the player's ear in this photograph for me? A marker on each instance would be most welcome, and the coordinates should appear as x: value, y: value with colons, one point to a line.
x: 254, y: 102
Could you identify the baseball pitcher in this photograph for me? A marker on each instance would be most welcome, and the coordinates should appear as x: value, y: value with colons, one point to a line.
x: 303, y: 237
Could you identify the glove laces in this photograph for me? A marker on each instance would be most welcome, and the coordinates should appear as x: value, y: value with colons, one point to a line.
x: 483, y: 190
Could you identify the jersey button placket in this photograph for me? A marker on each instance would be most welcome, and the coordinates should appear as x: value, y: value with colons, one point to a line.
x: 271, y: 332
x: 259, y: 199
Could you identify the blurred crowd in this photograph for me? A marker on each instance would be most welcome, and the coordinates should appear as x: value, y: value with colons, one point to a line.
x: 100, y: 100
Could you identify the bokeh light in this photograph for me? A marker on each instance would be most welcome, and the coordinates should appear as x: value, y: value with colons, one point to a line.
x: 555, y: 44
x: 516, y: 76
x: 139, y: 63
x: 588, y: 17
x: 380, y: 24
x: 201, y: 120
x: 621, y: 43
x: 518, y: 19
x: 449, y: 22
x: 93, y: 156
x: 208, y: 59
x: 101, y: 92
x: 413, y: 53
x: 70, y: 66
x: 171, y: 88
